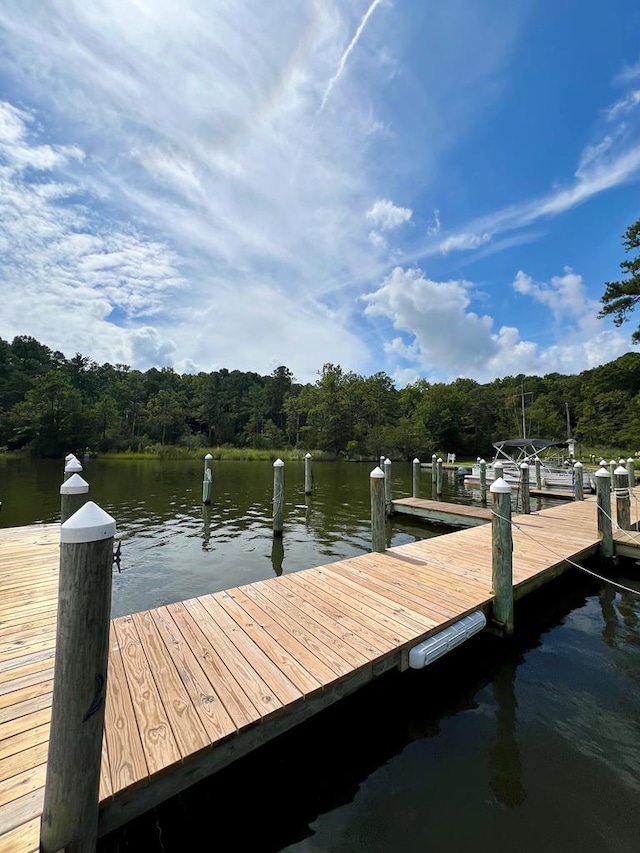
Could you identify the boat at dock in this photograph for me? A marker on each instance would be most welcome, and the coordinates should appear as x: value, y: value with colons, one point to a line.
x: 556, y: 460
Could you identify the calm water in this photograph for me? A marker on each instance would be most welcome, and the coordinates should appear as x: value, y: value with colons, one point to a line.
x: 530, y: 747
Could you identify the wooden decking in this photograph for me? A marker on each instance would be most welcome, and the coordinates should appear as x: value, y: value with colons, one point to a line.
x: 196, y: 684
x: 441, y: 512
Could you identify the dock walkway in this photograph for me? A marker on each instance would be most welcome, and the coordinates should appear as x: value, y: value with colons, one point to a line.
x: 196, y: 684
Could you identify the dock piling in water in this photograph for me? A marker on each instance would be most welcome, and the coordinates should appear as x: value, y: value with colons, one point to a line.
x: 70, y: 812
x: 378, y: 534
x: 525, y: 494
x: 631, y: 468
x: 603, y: 497
x: 502, y: 556
x: 538, y: 474
x: 578, y: 481
x: 623, y: 498
x: 416, y: 478
x: 278, y: 497
x: 72, y: 467
x: 73, y: 495
x: 388, y: 497
x: 483, y: 481
x: 207, y: 482
x: 439, y: 476
x: 308, y: 476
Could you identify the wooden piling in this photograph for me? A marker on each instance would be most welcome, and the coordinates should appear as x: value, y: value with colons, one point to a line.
x: 483, y: 481
x: 538, y: 474
x: 623, y: 498
x: 70, y: 812
x: 578, y: 481
x: 278, y: 497
x: 388, y: 497
x: 502, y: 556
x: 378, y: 533
x: 439, y: 476
x: 308, y: 476
x: 72, y: 467
x: 603, y: 497
x: 207, y: 481
x: 382, y: 458
x: 525, y: 493
x: 73, y: 495
x: 498, y: 470
x: 631, y: 468
x: 612, y: 473
x: 416, y: 478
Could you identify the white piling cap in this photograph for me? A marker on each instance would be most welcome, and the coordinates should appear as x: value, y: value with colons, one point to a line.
x: 622, y: 462
x: 524, y: 466
x: 208, y: 456
x: 631, y: 459
x: 69, y: 457
x: 387, y: 461
x: 416, y: 461
x: 603, y: 472
x: 498, y: 464
x: 377, y: 472
x: 75, y: 485
x: 482, y: 461
x: 307, y: 456
x: 612, y: 462
x: 89, y: 524
x: 72, y: 466
x: 278, y: 463
x: 578, y: 465
x: 620, y: 471
x: 500, y: 487
x: 603, y: 461
x: 439, y: 459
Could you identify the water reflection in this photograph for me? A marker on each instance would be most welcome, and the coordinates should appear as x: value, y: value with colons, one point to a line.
x: 505, y: 764
x: 277, y: 554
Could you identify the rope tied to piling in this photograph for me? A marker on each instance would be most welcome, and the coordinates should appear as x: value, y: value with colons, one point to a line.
x: 567, y: 559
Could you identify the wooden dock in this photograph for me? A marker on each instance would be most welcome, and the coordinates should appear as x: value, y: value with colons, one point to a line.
x: 441, y: 512
x: 194, y: 685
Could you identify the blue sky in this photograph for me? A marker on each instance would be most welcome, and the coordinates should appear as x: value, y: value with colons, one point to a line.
x: 430, y: 189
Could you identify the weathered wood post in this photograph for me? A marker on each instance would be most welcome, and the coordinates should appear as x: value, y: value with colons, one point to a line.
x: 416, y: 478
x: 439, y: 476
x: 70, y: 812
x: 603, y: 498
x: 382, y: 458
x: 525, y: 495
x: 434, y: 476
x: 578, y: 481
x: 387, y: 487
x: 308, y: 476
x: 483, y: 481
x: 502, y: 555
x: 73, y: 495
x: 498, y: 470
x: 378, y: 535
x: 631, y: 468
x: 207, y: 481
x: 623, y: 498
x: 538, y: 474
x: 72, y: 467
x: 278, y: 497
x: 612, y: 473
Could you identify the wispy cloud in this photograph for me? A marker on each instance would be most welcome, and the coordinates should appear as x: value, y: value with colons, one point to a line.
x: 345, y: 56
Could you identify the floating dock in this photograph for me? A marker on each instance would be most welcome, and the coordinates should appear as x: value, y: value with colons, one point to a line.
x: 194, y: 685
x: 441, y: 512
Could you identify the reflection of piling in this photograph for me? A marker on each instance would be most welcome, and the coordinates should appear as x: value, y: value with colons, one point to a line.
x: 206, y: 526
x: 207, y: 482
x: 603, y: 497
x: 416, y: 478
x: 278, y: 497
x: 502, y: 556
x: 308, y: 476
x: 277, y: 554
x: 623, y: 499
x: 73, y: 495
x: 483, y: 481
x: 525, y: 498
x: 376, y: 479
x: 505, y: 763
x: 439, y: 476
x: 387, y: 487
x: 70, y: 812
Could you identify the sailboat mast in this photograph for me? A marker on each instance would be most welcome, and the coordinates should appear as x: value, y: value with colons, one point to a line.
x: 524, y: 424
x: 566, y: 406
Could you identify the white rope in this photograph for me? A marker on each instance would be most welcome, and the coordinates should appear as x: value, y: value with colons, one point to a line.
x: 566, y: 559
x: 615, y: 524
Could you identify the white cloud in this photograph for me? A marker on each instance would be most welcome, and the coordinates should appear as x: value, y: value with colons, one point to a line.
x: 387, y: 216
x: 565, y: 294
x: 462, y: 242
x: 624, y: 105
x: 377, y: 240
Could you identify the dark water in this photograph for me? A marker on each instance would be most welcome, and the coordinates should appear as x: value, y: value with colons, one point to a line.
x: 533, y: 746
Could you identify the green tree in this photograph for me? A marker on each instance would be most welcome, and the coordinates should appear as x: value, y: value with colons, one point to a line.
x: 620, y: 297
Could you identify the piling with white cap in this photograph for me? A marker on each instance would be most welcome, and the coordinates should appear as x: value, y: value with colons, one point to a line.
x: 378, y: 533
x: 73, y: 494
x: 578, y: 481
x: 278, y: 497
x: 623, y: 498
x: 72, y: 467
x: 525, y: 495
x: 603, y: 498
x: 308, y: 476
x: 439, y: 476
x: 70, y: 811
x: 483, y: 481
x: 415, y: 480
x: 502, y: 556
x: 207, y: 480
x: 388, y: 497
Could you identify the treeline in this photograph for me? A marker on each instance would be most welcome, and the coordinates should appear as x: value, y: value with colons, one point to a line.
x: 49, y: 403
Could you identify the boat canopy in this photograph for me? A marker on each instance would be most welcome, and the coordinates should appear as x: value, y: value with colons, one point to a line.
x: 523, y: 443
